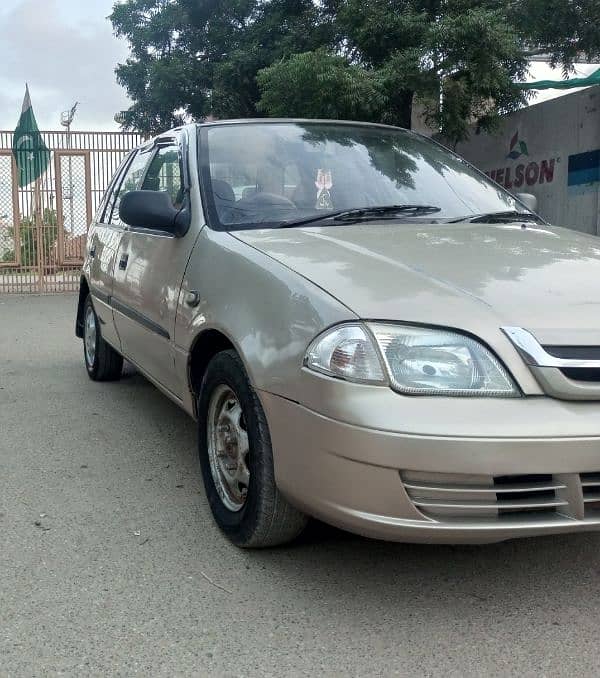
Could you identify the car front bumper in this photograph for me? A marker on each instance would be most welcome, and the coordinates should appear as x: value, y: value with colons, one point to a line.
x: 446, y: 488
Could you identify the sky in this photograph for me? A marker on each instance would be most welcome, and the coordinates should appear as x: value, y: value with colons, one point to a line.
x: 66, y: 51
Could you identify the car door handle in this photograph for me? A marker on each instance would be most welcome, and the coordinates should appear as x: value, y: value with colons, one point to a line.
x: 123, y: 262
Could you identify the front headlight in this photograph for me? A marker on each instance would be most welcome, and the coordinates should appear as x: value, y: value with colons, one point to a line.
x: 418, y: 360
x: 425, y: 361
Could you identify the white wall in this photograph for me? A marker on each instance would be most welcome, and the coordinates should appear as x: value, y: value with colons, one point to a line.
x: 553, y: 132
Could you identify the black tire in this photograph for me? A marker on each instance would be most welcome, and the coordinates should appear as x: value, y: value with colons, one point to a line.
x: 107, y: 364
x: 266, y: 518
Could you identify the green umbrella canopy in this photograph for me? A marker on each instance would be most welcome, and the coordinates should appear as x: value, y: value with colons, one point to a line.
x: 592, y: 79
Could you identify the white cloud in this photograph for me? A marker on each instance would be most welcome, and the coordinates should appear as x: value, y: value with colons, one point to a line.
x: 66, y: 51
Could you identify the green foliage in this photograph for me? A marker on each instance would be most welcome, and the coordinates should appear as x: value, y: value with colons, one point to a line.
x: 477, y: 61
x: 200, y: 57
x: 29, y: 241
x: 8, y: 256
x: 342, y: 58
x: 324, y: 85
x: 562, y: 28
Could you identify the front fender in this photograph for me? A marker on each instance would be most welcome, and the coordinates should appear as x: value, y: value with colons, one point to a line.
x: 269, y: 313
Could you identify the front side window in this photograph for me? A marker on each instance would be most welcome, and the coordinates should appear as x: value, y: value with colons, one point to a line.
x: 105, y: 207
x: 164, y: 174
x: 130, y: 182
x: 259, y: 175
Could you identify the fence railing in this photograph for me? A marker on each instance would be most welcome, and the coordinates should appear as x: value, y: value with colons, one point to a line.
x: 43, y: 226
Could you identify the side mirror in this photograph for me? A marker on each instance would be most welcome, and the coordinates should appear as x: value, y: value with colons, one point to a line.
x: 153, y: 209
x: 529, y: 200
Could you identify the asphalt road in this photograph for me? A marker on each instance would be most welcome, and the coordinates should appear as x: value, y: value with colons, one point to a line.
x: 105, y: 538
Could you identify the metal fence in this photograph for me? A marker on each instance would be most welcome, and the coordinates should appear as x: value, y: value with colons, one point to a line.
x: 43, y: 226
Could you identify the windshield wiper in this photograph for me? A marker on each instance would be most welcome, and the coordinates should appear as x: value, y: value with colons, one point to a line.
x: 365, y: 214
x: 499, y: 218
x: 385, y: 212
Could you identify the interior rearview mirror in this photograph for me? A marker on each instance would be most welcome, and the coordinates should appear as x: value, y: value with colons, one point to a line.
x: 529, y: 200
x: 153, y: 209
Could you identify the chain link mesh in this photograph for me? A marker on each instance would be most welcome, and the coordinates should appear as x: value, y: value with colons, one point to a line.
x: 74, y: 206
x: 8, y: 244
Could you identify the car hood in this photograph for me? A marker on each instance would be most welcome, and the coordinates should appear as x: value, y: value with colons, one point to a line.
x: 462, y: 275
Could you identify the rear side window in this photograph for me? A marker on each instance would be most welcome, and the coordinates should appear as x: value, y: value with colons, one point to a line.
x: 131, y: 181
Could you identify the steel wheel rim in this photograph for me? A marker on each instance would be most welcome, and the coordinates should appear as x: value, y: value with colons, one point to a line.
x: 89, y: 337
x: 228, y: 447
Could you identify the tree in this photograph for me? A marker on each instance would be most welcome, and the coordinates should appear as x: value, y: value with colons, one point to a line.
x: 192, y: 58
x: 28, y: 238
x: 343, y: 58
x: 324, y: 85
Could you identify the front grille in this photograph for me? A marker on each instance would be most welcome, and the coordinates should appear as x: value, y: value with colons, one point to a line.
x: 582, y: 373
x: 565, y: 372
x: 471, y: 496
x: 574, y: 352
x: 589, y: 374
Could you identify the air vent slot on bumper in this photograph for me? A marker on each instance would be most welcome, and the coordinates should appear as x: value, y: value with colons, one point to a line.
x: 590, y: 486
x: 446, y: 496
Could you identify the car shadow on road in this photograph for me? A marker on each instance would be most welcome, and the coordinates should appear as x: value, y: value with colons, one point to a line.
x: 543, y: 573
x: 538, y: 577
x: 523, y: 576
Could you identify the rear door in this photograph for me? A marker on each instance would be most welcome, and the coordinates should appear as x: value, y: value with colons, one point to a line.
x: 148, y: 273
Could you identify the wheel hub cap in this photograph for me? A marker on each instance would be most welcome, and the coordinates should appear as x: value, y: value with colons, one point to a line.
x: 89, y: 336
x: 228, y: 447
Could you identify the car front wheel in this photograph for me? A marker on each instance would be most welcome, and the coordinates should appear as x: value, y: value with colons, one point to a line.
x: 237, y: 460
x: 102, y: 362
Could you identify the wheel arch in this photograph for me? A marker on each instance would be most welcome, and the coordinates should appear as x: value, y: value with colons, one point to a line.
x: 84, y: 290
x: 205, y: 347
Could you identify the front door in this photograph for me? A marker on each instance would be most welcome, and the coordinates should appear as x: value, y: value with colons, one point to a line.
x: 102, y: 246
x: 149, y: 268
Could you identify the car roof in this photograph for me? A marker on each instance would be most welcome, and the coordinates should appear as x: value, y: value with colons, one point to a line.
x: 258, y: 121
x: 319, y: 121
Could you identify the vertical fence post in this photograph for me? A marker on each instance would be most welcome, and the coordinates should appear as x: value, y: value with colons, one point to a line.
x: 38, y: 225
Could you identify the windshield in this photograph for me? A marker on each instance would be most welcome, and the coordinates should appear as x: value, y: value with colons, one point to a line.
x: 259, y: 175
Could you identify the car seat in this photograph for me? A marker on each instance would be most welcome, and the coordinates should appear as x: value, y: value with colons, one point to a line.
x: 224, y: 199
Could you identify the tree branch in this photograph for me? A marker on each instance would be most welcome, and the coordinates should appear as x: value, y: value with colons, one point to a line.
x: 538, y: 51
